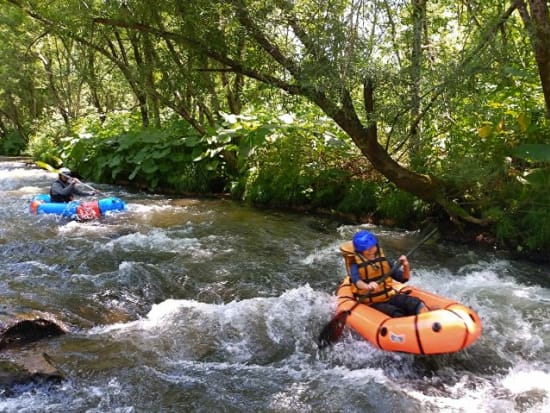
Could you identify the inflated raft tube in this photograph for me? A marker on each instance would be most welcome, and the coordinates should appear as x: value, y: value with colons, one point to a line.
x: 447, y: 327
x: 41, y: 204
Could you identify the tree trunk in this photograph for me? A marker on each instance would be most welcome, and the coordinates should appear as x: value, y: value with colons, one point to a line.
x: 93, y: 83
x: 61, y: 106
x: 419, y: 16
x: 366, y: 139
x: 537, y: 25
x: 140, y: 92
x: 149, y: 56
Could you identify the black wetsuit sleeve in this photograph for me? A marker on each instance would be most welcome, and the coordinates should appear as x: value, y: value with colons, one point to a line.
x: 80, y: 192
x: 59, y: 190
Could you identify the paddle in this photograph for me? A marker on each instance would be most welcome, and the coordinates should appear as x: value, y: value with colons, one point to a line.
x: 50, y: 168
x: 333, y: 330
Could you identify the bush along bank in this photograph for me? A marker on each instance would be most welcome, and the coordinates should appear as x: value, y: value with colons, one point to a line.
x: 282, y: 166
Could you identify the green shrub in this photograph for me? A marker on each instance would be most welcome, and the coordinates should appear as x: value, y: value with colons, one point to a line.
x: 360, y: 197
x: 12, y: 144
x: 123, y: 151
x: 398, y: 206
x: 295, y: 170
x: 537, y: 224
x: 44, y: 143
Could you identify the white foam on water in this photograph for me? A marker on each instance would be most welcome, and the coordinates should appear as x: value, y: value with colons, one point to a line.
x: 158, y: 240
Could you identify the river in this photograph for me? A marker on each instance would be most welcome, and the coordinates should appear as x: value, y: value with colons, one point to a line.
x: 188, y: 305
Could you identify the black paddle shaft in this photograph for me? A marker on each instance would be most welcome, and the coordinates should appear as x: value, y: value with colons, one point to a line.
x: 397, y: 265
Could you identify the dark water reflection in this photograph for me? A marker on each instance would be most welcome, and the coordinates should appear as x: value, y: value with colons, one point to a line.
x: 183, y: 305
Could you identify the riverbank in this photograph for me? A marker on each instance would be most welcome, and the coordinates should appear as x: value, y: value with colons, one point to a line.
x: 459, y: 233
x: 465, y: 234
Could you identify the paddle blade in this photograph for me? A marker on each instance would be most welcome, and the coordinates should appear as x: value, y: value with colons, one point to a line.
x: 46, y: 166
x: 333, y: 330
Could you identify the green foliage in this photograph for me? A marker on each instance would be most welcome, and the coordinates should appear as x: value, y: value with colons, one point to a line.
x: 302, y: 168
x: 122, y: 151
x: 12, y: 144
x: 536, y: 224
x: 475, y: 94
x: 399, y: 207
x: 282, y: 162
x: 302, y: 164
x: 494, y: 154
x: 278, y: 178
x: 360, y: 197
x: 43, y: 145
x: 522, y: 217
x: 536, y: 152
x: 147, y: 157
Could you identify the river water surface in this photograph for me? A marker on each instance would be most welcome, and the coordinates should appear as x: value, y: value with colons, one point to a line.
x: 185, y: 305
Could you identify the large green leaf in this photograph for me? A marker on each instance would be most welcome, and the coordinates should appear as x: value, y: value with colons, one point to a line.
x: 134, y: 172
x: 537, y: 152
x: 149, y: 167
x: 538, y: 177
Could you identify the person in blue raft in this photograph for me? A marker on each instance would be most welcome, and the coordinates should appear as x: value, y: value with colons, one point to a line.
x: 65, y: 187
x: 371, y: 275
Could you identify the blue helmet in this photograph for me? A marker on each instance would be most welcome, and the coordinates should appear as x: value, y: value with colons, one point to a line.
x: 363, y: 240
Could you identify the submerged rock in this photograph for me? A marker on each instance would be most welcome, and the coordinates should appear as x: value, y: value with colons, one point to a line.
x: 26, y: 331
x: 28, y: 368
x: 22, y: 361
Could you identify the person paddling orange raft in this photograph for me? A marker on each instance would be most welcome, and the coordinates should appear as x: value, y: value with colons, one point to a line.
x: 368, y: 269
x: 374, y: 301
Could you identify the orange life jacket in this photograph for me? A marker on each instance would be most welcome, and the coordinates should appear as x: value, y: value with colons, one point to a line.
x: 369, y: 271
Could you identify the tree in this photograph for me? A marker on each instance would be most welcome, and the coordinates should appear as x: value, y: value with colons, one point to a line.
x: 536, y: 19
x: 21, y: 82
x: 313, y: 49
x: 378, y: 69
